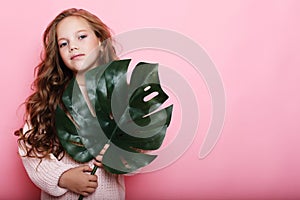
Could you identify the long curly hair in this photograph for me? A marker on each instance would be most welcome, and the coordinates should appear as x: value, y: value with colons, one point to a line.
x: 52, y: 77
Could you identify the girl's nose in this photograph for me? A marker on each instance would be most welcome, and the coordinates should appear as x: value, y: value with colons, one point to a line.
x: 72, y: 47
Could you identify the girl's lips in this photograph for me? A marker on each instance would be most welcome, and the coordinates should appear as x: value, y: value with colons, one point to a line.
x: 76, y: 56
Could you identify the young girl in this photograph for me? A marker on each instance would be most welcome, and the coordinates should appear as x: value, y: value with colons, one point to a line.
x: 74, y: 42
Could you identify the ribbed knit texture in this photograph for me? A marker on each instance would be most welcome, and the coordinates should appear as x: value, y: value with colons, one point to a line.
x: 46, y: 173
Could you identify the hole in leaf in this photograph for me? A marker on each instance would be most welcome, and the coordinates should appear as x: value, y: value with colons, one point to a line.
x: 147, y: 88
x: 150, y: 96
x: 111, y: 116
x: 76, y: 143
x: 125, y: 163
x: 137, y: 149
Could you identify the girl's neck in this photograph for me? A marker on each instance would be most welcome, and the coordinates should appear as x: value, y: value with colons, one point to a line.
x: 80, y: 77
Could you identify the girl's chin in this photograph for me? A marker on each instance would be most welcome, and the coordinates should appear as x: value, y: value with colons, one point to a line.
x: 83, y: 69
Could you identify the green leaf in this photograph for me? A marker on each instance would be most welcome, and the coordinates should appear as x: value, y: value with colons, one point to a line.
x: 125, y: 118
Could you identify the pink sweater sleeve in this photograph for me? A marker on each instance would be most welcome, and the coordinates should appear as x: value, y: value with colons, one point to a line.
x: 45, y: 173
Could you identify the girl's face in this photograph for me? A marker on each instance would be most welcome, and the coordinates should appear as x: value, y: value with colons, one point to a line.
x: 78, y: 45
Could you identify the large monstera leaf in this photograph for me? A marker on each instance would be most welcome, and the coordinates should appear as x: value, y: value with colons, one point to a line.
x: 128, y: 116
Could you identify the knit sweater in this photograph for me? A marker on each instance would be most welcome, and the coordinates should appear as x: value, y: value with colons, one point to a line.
x: 45, y: 175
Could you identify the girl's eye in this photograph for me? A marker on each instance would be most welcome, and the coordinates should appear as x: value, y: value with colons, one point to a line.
x: 62, y: 44
x: 82, y: 37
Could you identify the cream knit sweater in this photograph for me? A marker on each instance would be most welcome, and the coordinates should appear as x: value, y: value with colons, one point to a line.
x: 46, y: 173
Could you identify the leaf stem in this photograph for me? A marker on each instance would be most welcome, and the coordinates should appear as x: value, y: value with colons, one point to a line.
x: 112, y: 135
x: 94, y: 170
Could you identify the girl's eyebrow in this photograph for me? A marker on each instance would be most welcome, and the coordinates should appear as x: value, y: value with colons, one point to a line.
x: 81, y: 30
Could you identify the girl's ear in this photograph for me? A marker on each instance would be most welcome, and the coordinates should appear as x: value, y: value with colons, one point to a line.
x: 100, y: 46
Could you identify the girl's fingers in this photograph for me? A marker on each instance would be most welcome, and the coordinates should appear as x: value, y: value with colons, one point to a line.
x: 98, y: 163
x: 86, y: 168
x: 93, y: 185
x: 90, y: 190
x: 85, y: 194
x: 93, y: 178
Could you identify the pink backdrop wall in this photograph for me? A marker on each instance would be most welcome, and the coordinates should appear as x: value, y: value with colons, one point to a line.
x: 254, y: 46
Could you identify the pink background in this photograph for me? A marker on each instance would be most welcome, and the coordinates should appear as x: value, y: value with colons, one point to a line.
x: 254, y: 45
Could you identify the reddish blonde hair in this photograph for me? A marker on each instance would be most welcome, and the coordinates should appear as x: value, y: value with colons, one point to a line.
x: 52, y: 76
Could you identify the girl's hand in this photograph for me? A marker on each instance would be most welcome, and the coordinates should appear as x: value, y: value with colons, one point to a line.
x: 79, y: 181
x: 98, y: 159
